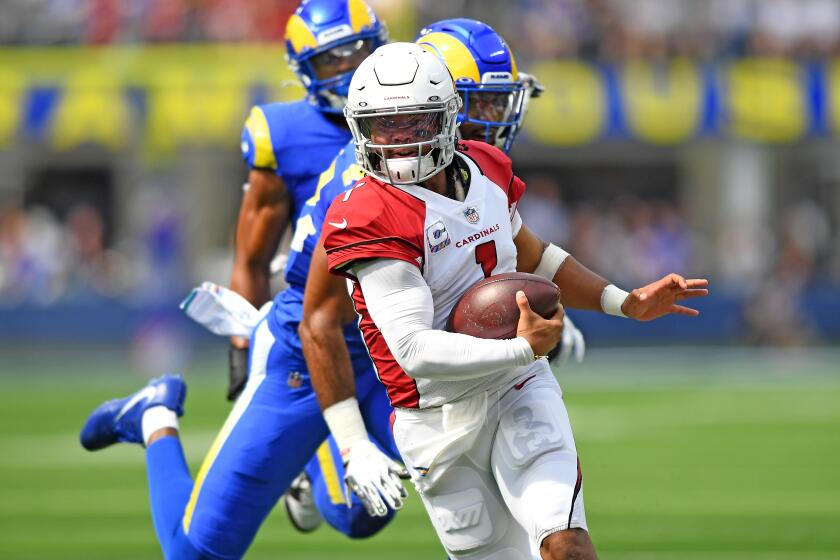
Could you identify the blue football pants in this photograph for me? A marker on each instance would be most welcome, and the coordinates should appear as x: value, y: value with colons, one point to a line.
x: 273, y: 432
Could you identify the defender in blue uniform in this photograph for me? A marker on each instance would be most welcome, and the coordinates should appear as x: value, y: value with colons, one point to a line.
x: 275, y: 427
x: 286, y: 146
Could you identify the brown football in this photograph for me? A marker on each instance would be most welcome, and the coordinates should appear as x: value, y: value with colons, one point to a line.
x: 489, y: 310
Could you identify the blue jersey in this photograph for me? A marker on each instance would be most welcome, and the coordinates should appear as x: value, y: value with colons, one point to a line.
x: 342, y: 174
x: 297, y: 142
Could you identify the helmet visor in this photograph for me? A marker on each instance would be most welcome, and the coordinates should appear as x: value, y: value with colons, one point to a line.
x: 489, y: 113
x: 402, y: 133
x: 491, y: 106
x: 341, y: 58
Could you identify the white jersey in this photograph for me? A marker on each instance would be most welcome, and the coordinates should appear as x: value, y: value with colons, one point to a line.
x: 464, y: 241
x: 455, y: 244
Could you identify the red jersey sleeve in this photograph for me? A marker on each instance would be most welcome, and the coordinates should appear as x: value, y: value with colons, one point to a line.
x: 497, y: 167
x: 373, y: 221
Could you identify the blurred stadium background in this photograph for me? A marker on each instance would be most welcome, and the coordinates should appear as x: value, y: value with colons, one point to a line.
x: 699, y: 136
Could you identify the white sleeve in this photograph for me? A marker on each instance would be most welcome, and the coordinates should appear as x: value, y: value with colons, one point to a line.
x: 400, y: 303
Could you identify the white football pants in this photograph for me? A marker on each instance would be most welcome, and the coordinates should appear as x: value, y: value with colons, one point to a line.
x: 498, y: 472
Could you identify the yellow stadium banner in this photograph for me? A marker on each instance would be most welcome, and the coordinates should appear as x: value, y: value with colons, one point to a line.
x: 163, y: 98
x: 573, y: 110
x: 663, y: 102
x: 766, y: 100
x: 833, y: 94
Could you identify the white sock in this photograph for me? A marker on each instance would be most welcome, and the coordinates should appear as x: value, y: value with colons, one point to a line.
x: 156, y: 418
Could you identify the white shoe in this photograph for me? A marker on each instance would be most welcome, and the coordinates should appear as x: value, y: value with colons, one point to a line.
x: 300, y: 507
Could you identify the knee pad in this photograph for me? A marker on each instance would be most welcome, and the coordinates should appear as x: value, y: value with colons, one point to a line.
x: 466, y: 514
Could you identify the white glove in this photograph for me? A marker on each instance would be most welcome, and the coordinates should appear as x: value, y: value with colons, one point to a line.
x: 572, y: 343
x: 222, y: 311
x: 372, y: 476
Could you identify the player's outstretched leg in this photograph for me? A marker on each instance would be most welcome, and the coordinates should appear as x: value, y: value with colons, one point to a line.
x: 150, y: 417
x: 121, y: 420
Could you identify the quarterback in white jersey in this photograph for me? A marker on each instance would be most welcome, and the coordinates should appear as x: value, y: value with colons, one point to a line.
x: 480, y: 423
x: 451, y: 244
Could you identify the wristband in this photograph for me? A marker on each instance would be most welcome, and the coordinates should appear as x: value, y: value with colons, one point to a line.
x: 612, y: 299
x: 345, y: 422
x: 552, y: 257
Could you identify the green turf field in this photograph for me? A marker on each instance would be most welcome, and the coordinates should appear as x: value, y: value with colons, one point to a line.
x: 686, y: 454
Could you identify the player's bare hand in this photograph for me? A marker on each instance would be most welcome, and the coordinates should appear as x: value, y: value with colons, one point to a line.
x: 541, y: 334
x: 661, y: 298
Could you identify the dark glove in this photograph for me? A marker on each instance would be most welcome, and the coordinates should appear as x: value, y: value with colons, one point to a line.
x: 237, y: 371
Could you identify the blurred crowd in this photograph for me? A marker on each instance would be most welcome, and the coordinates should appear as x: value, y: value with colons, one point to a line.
x: 537, y: 29
x: 46, y: 258
x: 99, y: 22
x: 656, y: 29
x: 634, y: 241
x: 50, y: 255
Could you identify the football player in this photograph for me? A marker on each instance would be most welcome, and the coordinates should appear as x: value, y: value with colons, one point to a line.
x: 287, y: 146
x: 405, y: 236
x: 496, y: 95
x: 275, y: 426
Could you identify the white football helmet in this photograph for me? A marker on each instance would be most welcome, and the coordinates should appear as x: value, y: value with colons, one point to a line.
x: 402, y: 109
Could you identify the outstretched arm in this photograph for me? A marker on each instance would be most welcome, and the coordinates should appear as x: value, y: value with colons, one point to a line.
x: 583, y: 289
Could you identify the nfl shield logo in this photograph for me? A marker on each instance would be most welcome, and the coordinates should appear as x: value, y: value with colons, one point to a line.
x: 471, y: 214
x: 295, y: 380
x: 437, y: 236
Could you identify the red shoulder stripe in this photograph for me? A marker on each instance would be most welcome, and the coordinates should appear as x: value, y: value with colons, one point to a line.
x: 401, y: 388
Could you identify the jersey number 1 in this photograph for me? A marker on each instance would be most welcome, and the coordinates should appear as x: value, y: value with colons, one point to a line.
x: 485, y: 255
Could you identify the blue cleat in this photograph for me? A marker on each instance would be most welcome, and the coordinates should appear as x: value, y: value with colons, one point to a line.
x: 119, y: 420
